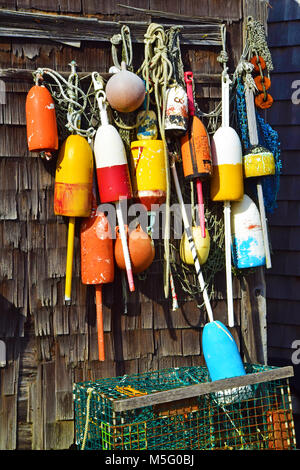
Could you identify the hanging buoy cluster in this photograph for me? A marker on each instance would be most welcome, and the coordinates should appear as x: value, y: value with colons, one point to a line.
x: 93, y: 166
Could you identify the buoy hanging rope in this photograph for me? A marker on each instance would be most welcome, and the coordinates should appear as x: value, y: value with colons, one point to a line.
x: 157, y: 70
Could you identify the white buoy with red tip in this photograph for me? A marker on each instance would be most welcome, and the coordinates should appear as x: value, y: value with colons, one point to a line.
x: 112, y: 171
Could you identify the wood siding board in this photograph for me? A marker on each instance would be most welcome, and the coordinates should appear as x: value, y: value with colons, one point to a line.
x: 286, y: 240
x: 281, y: 85
x: 287, y: 214
x: 285, y: 263
x: 286, y: 58
x: 283, y: 10
x: 285, y: 33
x: 284, y: 112
x: 283, y: 287
x: 279, y: 312
x: 283, y: 336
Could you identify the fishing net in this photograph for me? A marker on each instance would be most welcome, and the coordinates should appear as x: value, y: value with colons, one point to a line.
x: 258, y: 416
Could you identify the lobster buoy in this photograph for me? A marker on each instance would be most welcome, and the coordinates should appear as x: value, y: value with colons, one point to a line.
x: 96, y: 244
x: 195, y: 151
x: 41, y: 124
x: 202, y: 246
x: 227, y: 179
x: 177, y: 113
x: 97, y: 262
x: 111, y: 162
x: 223, y: 361
x: 125, y: 91
x: 74, y: 178
x: 258, y: 161
x: 148, y: 172
x: 141, y: 250
x: 247, y: 236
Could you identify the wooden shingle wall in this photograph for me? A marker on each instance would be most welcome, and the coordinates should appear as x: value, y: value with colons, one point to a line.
x: 283, y: 280
x: 51, y: 346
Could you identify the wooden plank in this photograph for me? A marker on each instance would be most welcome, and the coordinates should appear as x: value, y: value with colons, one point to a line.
x: 254, y: 318
x: 191, y: 343
x: 202, y: 389
x: 284, y: 10
x: 71, y: 28
x: 284, y: 34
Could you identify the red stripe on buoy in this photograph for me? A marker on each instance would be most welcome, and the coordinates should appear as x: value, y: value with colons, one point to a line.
x: 113, y: 183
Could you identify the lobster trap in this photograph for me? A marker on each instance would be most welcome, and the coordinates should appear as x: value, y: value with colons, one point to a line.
x: 181, y: 409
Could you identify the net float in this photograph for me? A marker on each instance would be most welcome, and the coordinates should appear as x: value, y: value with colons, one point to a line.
x: 125, y: 91
x: 112, y: 170
x: 141, y: 249
x: 177, y: 114
x: 262, y: 83
x: 41, y: 123
x: 227, y: 182
x: 202, y: 246
x: 264, y: 100
x: 195, y: 151
x: 73, y: 191
x: 148, y: 172
x: 147, y: 130
x: 247, y: 237
x: 258, y: 62
x: 223, y: 361
x: 97, y: 262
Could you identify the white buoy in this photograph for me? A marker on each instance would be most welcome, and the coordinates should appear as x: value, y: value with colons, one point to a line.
x: 247, y: 235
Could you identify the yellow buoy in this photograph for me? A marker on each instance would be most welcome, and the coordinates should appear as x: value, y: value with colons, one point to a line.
x: 259, y: 162
x: 73, y: 178
x: 202, y: 246
x: 148, y: 172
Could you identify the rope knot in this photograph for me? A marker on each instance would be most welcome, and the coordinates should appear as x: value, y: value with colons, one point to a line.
x: 222, y: 57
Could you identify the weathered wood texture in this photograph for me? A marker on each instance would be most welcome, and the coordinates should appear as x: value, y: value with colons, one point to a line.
x: 283, y: 281
x: 51, y: 346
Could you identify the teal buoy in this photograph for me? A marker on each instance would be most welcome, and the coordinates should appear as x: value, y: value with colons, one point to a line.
x: 220, y: 351
x: 223, y: 361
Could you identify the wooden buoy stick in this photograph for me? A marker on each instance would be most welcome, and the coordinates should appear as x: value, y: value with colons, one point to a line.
x: 125, y: 247
x: 227, y: 222
x: 69, y: 263
x: 99, y: 314
x: 188, y: 232
x: 200, y: 206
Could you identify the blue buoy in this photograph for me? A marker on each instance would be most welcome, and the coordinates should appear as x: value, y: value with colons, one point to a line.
x: 220, y: 351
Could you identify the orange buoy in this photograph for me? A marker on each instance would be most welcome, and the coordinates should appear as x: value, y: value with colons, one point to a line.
x: 141, y: 250
x: 97, y: 262
x: 41, y: 124
x: 258, y: 61
x: 264, y: 102
x: 262, y: 82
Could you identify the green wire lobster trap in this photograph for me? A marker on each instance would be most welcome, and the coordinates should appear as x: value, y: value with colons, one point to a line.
x: 181, y: 409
